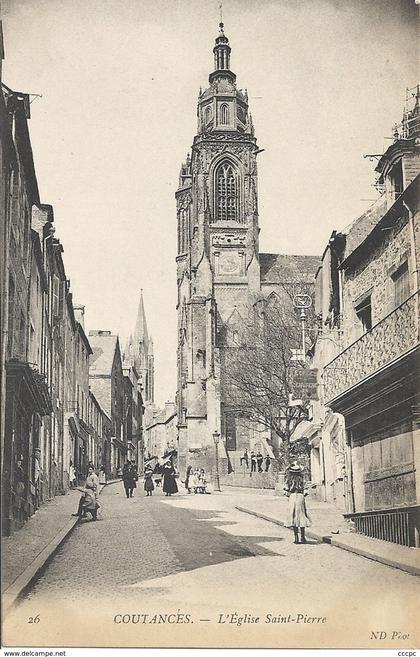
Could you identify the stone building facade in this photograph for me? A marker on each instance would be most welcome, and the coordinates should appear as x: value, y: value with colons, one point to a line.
x: 26, y: 398
x: 368, y: 349
x: 133, y: 410
x: 49, y: 419
x: 107, y: 384
x: 160, y: 436
x: 221, y: 273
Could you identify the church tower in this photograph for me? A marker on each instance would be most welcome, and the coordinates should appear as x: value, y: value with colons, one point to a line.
x: 218, y: 267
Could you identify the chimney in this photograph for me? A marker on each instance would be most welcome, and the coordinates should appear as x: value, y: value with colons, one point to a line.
x: 79, y: 314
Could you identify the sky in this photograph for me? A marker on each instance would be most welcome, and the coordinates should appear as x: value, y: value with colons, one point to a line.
x: 119, y: 81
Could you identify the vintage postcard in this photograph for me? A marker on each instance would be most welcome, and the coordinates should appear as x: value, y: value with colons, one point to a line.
x: 210, y: 398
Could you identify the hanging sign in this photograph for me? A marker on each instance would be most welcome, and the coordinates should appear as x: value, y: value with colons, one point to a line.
x: 304, y: 383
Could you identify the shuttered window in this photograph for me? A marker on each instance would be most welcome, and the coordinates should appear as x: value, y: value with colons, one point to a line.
x: 401, y: 284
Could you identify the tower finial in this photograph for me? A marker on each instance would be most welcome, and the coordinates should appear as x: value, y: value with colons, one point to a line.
x: 222, y: 50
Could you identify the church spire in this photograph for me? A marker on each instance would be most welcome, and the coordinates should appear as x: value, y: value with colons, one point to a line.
x: 140, y: 332
x: 221, y: 52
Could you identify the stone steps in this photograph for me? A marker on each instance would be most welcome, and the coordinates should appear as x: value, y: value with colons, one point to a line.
x: 245, y: 480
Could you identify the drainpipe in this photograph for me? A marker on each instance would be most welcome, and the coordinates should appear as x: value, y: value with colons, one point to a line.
x: 413, y: 262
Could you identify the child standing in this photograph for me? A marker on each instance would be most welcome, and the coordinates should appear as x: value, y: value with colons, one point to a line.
x: 149, y: 486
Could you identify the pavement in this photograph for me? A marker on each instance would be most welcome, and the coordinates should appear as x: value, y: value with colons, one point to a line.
x: 28, y: 550
x: 201, y: 560
x: 25, y: 553
x: 329, y: 526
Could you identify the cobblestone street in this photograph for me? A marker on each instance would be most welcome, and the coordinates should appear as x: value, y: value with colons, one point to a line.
x: 189, y: 553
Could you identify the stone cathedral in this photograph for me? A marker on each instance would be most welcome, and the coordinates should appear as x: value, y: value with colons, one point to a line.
x: 220, y: 271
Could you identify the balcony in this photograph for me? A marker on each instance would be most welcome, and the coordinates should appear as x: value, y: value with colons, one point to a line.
x: 391, y: 338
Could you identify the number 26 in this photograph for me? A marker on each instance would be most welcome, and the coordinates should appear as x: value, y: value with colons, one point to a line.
x: 34, y: 619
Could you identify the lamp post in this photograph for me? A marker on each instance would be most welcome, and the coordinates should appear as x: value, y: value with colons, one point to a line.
x: 216, y: 438
x: 302, y: 302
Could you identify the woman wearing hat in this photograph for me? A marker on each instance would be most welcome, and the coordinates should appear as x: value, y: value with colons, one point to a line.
x: 294, y: 489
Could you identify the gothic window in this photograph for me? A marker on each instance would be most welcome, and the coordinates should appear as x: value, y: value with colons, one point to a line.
x: 208, y: 114
x: 183, y: 231
x: 226, y: 186
x: 224, y: 114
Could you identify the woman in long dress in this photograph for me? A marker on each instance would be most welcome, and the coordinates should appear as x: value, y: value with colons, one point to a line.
x: 102, y: 476
x: 169, y: 483
x: 72, y: 475
x: 294, y: 489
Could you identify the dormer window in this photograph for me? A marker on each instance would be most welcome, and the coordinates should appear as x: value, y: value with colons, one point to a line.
x: 396, y: 180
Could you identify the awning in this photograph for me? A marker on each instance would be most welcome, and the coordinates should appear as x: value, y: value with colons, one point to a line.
x: 36, y: 386
x: 305, y: 429
x: 119, y: 443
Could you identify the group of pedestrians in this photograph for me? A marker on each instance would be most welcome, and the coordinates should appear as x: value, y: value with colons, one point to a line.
x: 165, y: 473
x: 256, y: 460
x: 195, y: 480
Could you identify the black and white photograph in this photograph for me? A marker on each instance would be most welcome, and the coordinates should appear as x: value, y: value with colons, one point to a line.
x: 210, y: 324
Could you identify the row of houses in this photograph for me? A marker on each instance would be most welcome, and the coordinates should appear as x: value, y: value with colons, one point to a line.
x: 161, y: 434
x: 67, y: 398
x: 364, y: 435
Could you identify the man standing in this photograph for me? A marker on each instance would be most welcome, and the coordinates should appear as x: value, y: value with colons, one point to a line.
x: 267, y: 463
x: 260, y: 459
x: 128, y: 479
x: 245, y: 458
x: 253, y: 464
x: 37, y: 473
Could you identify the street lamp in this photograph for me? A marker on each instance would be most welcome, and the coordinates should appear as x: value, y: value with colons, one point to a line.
x: 216, y: 438
x: 302, y: 302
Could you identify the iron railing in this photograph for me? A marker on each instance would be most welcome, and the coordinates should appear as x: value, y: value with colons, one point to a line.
x: 399, y: 526
x: 389, y: 339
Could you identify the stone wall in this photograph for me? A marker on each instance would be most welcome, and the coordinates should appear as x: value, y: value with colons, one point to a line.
x: 373, y: 275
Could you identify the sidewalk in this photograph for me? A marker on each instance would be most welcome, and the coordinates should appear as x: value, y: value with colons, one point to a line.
x: 329, y: 526
x: 27, y: 551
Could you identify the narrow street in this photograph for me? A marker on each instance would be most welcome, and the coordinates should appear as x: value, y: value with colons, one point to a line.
x: 199, y: 557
